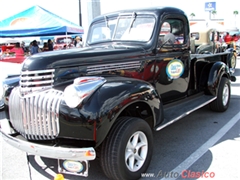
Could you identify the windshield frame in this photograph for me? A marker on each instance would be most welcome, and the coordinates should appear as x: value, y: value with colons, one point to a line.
x: 134, y: 20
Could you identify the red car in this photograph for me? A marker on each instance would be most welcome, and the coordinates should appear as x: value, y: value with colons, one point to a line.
x: 63, y: 42
x: 11, y: 53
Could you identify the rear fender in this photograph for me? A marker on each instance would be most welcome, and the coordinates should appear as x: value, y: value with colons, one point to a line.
x: 230, y: 50
x: 218, y: 70
x: 204, y: 49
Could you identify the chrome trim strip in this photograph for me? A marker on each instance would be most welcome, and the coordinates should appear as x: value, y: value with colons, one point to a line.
x: 185, y: 114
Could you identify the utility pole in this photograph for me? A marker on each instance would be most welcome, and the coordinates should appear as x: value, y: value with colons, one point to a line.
x: 80, y: 13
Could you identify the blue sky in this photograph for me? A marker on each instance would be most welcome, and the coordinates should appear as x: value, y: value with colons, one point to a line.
x: 69, y: 9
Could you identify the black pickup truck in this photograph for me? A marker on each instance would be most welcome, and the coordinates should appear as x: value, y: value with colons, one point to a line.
x: 135, y: 75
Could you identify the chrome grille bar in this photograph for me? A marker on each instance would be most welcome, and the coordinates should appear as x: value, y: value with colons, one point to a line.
x: 113, y: 67
x: 35, y: 83
x: 32, y: 81
x: 34, y: 89
x: 36, y: 116
x: 36, y: 77
x: 37, y: 72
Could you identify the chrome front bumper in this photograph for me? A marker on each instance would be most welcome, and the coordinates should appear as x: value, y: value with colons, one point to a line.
x: 75, y: 154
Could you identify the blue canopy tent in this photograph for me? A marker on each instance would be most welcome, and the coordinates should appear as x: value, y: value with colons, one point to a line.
x: 37, y: 21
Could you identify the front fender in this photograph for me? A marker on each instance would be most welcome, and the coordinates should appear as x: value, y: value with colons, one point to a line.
x: 216, y: 72
x: 118, y: 94
x: 95, y: 116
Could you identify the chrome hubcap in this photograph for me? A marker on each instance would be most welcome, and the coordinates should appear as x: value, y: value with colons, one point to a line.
x: 233, y: 62
x: 225, y: 95
x: 136, y: 151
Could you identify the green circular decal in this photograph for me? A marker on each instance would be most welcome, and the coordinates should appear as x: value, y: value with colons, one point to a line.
x: 175, y: 69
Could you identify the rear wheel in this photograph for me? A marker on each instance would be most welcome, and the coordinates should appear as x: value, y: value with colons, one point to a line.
x: 223, y: 96
x: 238, y: 50
x: 233, y: 62
x: 127, y: 151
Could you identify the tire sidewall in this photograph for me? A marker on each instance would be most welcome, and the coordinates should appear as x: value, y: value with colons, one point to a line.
x: 143, y: 127
x: 230, y: 61
x: 220, y: 93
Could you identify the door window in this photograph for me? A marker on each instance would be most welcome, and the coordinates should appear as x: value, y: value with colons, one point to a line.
x: 172, y: 32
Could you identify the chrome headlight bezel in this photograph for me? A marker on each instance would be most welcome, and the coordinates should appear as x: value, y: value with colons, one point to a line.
x: 81, y: 88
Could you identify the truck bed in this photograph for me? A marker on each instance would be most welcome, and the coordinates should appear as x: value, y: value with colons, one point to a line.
x: 209, y: 56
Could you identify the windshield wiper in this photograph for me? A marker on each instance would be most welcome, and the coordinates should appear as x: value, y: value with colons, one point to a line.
x: 134, y: 15
x: 106, y: 21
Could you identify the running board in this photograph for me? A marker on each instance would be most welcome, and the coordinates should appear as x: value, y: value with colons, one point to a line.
x: 178, y: 111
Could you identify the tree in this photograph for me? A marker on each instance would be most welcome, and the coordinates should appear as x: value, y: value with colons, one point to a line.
x: 214, y: 13
x: 192, y: 15
x: 235, y: 13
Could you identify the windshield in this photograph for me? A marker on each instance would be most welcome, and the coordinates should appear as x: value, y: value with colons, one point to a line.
x: 123, y: 28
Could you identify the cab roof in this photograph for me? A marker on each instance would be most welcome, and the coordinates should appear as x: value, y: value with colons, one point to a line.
x: 159, y: 10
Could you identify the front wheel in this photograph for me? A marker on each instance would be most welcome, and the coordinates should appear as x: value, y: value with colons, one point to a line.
x: 127, y: 151
x: 223, y: 96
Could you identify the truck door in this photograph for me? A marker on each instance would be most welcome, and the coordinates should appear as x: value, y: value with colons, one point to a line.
x: 172, y: 58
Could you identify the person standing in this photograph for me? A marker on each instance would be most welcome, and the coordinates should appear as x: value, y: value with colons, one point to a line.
x: 220, y: 39
x: 234, y: 38
x: 45, y: 47
x: 75, y: 41
x: 228, y: 39
x: 50, y: 45
x: 34, y: 49
x: 79, y: 42
x: 23, y: 46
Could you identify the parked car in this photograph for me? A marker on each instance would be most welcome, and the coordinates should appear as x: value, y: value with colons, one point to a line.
x: 11, y: 54
x: 61, y: 42
x: 5, y: 88
x: 206, y: 41
x: 105, y: 100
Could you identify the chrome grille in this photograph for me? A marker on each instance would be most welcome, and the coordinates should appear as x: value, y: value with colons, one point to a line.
x: 36, y: 116
x: 31, y: 81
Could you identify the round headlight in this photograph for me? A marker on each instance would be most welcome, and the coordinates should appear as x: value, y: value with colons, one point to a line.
x: 72, y: 97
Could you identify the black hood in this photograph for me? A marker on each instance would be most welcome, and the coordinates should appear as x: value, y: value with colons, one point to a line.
x: 82, y: 56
